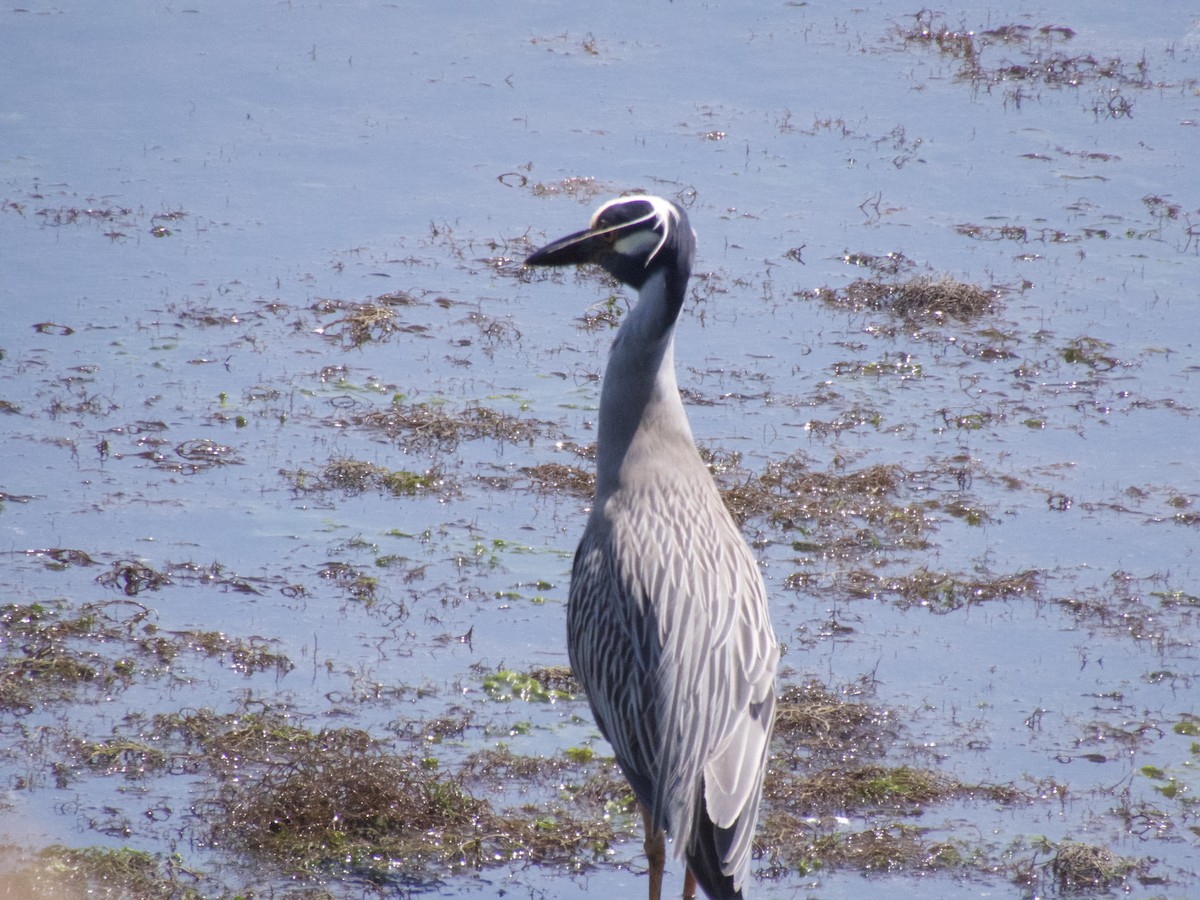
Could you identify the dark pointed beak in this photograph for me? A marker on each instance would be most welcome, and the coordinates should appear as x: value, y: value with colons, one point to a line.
x: 581, y: 247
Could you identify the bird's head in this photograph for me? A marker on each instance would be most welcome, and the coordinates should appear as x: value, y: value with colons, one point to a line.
x: 631, y: 238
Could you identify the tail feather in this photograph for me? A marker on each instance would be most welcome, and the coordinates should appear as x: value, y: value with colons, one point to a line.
x: 710, y: 845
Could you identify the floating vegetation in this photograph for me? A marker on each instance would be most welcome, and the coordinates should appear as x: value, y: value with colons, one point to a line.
x: 1077, y: 867
x: 1022, y: 235
x: 117, y: 221
x: 355, y: 476
x: 846, y: 420
x: 606, y: 314
x: 890, y: 264
x: 901, y: 365
x: 421, y: 426
x: 506, y: 685
x: 840, y: 513
x: 494, y: 331
x: 74, y: 215
x: 556, y: 477
x: 52, y: 675
x: 131, y: 758
x: 891, y: 847
x: 817, y: 495
x: 57, y: 872
x: 810, y: 718
x: 371, y: 322
x: 1091, y: 352
x: 229, y: 743
x: 133, y: 577
x: 940, y: 591
x: 57, y: 651
x: 877, y: 793
x: 498, y: 767
x: 900, y: 789
x: 206, y: 315
x: 983, y: 61
x: 53, y: 328
x: 201, y: 454
x: 1124, y: 606
x: 360, y: 586
x: 190, y: 457
x: 62, y: 557
x: 557, y: 678
x: 584, y: 189
x: 245, y: 655
x: 79, y: 401
x: 918, y: 299
x: 337, y: 796
x: 818, y: 784
x: 1168, y: 217
x: 340, y: 802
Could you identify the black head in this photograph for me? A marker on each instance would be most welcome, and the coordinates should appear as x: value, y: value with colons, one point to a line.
x: 631, y: 238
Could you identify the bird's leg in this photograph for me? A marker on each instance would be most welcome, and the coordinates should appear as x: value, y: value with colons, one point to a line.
x: 689, y: 885
x: 656, y: 854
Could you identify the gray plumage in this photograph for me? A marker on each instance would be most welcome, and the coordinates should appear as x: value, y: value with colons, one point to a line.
x: 667, y: 624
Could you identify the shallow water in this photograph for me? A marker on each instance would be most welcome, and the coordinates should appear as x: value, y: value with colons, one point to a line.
x: 183, y: 187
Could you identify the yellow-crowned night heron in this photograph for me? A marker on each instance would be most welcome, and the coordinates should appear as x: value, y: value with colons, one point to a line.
x: 667, y: 625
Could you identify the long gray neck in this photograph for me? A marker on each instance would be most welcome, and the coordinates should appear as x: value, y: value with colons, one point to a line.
x: 643, y: 427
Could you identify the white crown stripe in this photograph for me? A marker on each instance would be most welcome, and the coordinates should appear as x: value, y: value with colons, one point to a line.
x: 662, y: 213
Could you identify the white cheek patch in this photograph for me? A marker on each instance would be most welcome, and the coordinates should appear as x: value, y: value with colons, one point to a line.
x: 637, y: 243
